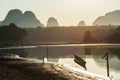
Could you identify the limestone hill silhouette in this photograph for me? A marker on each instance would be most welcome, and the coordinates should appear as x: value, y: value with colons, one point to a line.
x: 110, y: 18
x: 81, y: 23
x: 52, y: 22
x: 26, y: 19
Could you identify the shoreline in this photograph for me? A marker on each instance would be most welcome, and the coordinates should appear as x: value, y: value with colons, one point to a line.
x: 109, y: 45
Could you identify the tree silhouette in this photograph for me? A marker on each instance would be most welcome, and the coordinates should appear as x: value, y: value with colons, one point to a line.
x: 115, y: 37
x: 11, y: 33
x: 88, y: 38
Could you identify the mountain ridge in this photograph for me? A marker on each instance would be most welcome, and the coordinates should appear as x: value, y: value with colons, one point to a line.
x: 26, y: 19
x: 52, y: 22
x: 110, y: 18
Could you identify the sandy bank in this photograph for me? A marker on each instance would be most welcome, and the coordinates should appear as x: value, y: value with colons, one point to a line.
x: 25, y: 69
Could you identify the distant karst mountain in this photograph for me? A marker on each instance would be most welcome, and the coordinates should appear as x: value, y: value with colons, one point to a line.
x: 81, y: 23
x: 111, y: 18
x: 52, y: 22
x: 26, y: 19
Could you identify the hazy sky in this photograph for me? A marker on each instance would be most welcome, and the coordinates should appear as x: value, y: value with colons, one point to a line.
x: 67, y: 12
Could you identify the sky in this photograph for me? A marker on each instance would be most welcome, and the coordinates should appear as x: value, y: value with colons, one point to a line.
x: 67, y: 12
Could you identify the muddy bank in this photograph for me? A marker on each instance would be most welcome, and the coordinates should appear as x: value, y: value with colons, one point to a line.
x: 23, y: 69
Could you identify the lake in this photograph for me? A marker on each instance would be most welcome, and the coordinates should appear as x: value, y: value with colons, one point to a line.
x: 91, y: 53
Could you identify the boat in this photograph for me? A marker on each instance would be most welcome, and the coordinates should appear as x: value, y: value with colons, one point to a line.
x: 80, y: 61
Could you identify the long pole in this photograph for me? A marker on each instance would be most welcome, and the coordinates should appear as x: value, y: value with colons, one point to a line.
x: 43, y: 60
x: 47, y: 52
x: 22, y: 47
x: 107, y: 58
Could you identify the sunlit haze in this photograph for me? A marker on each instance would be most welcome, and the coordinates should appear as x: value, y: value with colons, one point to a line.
x: 67, y: 12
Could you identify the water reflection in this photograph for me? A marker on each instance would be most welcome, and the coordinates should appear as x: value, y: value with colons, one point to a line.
x: 87, y: 51
x: 115, y: 51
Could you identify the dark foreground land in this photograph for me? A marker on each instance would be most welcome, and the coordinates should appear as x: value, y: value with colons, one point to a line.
x: 22, y: 69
